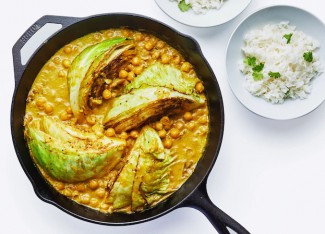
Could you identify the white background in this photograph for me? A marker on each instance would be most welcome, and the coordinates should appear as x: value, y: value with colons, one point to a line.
x: 270, y: 175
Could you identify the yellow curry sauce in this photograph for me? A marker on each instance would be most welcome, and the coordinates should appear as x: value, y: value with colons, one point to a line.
x: 184, y: 134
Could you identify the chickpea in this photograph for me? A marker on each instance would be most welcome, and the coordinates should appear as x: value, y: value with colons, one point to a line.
x: 51, y: 65
x: 179, y: 125
x: 74, y: 193
x: 60, y: 186
x: 97, y: 36
x: 166, y: 122
x: 114, y: 94
x: 162, y: 133
x: 124, y: 135
x: 93, y: 184
x: 131, y: 76
x: 93, y: 202
x: 104, y: 206
x: 98, y: 129
x: 48, y: 108
x: 67, y: 193
x: 155, y: 54
x: 199, y: 111
x: 129, y: 142
x: 159, y: 126
x: 191, y: 126
x: 160, y: 44
x: 75, y: 49
x: 165, y: 58
x: 186, y: 66
x: 138, y: 37
x: 187, y: 116
x: 107, y: 94
x: 202, y: 130
x: 167, y: 143
x: 199, y: 87
x: 123, y: 74
x: 110, y: 132
x: 57, y: 60
x: 126, y: 33
x: 65, y: 116
x: 134, y: 134
x: 100, y: 192
x: 67, y: 49
x: 137, y: 70
x: 136, y: 61
x: 126, y: 82
x: 80, y: 187
x: 109, y: 33
x: 66, y: 63
x: 174, y: 133
x: 177, y: 59
x: 203, y: 119
x: 68, y: 110
x: 85, y: 198
x: 40, y: 102
x: 149, y: 45
x: 91, y: 119
x: 62, y: 74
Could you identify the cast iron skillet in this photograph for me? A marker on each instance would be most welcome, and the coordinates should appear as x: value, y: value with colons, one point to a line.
x: 193, y: 193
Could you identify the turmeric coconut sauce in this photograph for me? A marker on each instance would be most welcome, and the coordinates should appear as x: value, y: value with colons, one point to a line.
x: 116, y: 120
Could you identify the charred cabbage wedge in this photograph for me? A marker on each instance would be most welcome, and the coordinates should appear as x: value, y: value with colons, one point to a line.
x: 161, y: 75
x: 144, y: 180
x: 159, y: 89
x: 70, y: 154
x: 89, y: 70
x: 135, y: 108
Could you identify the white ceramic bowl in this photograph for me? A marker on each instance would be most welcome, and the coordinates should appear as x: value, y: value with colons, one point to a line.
x: 229, y: 10
x: 304, y: 21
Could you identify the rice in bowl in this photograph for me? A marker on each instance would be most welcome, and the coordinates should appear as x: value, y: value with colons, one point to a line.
x: 199, y: 6
x: 279, y: 62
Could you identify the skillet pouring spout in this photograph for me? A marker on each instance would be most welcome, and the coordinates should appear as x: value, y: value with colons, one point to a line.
x: 200, y: 200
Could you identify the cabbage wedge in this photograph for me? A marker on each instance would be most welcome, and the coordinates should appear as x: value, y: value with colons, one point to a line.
x: 144, y: 180
x: 162, y: 75
x: 69, y: 154
x: 89, y: 70
x: 133, y: 109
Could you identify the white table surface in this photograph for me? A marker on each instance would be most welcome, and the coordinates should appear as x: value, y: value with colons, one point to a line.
x: 269, y: 176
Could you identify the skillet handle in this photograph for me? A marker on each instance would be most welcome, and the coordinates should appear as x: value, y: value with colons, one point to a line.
x: 19, y: 68
x: 219, y: 219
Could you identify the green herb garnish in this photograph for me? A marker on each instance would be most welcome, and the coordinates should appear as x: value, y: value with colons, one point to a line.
x: 183, y: 6
x: 251, y: 61
x: 288, y: 37
x: 257, y: 76
x: 308, y: 56
x: 274, y: 74
x: 258, y: 67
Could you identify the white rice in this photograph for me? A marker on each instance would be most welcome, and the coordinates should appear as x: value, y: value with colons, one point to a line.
x: 202, y: 6
x: 269, y: 46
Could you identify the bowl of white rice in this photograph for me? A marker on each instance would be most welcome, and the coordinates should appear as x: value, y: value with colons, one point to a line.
x: 203, y: 13
x: 275, y: 62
